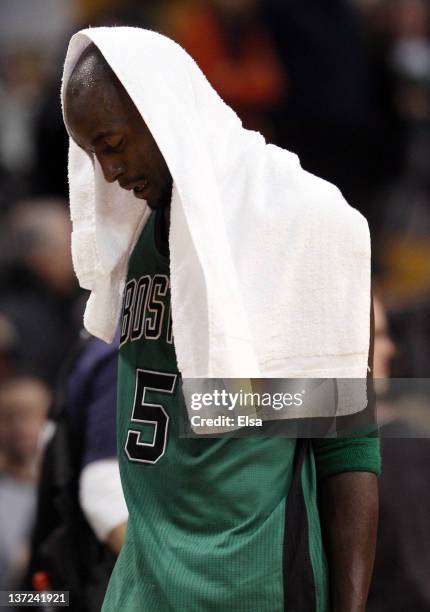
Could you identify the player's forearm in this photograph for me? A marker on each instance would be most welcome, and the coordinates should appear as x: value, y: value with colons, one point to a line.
x: 349, y: 516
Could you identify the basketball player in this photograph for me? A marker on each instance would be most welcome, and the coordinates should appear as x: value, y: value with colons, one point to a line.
x: 227, y: 524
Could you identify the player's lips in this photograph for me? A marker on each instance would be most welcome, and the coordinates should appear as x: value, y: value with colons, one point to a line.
x: 139, y: 187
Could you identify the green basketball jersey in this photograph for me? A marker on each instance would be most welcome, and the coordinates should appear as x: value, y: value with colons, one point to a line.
x: 208, y: 525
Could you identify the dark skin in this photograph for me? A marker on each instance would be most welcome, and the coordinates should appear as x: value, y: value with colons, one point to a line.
x: 103, y: 120
x: 349, y: 519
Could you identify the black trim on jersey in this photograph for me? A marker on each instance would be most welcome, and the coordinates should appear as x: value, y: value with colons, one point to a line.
x: 299, y: 582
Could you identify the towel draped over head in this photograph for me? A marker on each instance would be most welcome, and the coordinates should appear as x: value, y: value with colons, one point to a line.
x: 270, y: 267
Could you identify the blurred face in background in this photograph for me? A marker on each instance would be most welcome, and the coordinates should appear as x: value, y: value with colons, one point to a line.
x: 43, y: 232
x: 24, y: 404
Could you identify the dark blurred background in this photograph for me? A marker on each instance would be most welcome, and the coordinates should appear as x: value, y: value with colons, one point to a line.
x: 343, y: 83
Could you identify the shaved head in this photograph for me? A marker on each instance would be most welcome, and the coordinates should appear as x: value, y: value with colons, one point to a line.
x: 92, y: 76
x: 91, y: 70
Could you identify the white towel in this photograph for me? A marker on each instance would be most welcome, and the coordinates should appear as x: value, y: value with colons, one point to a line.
x: 270, y: 267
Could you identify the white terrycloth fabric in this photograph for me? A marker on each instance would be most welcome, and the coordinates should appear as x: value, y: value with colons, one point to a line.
x: 270, y: 267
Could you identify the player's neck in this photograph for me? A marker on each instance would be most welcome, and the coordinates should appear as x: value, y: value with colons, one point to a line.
x: 162, y: 225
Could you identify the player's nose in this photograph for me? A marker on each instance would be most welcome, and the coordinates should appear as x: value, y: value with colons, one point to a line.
x: 113, y: 170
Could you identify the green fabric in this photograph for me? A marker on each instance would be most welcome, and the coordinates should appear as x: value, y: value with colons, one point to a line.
x: 207, y: 519
x: 206, y: 525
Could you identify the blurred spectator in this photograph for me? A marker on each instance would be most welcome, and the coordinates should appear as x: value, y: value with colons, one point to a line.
x: 229, y: 41
x: 24, y: 404
x: 22, y: 76
x: 400, y: 580
x: 31, y: 34
x: 43, y: 230
x: 39, y: 291
x: 82, y: 516
x: 21, y: 79
x: 91, y: 408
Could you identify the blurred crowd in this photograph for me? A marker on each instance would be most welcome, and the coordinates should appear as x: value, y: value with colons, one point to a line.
x: 345, y: 84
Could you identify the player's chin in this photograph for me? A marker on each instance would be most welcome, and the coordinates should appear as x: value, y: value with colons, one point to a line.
x: 154, y: 204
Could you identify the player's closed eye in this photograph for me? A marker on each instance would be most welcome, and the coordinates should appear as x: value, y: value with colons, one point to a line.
x: 114, y: 144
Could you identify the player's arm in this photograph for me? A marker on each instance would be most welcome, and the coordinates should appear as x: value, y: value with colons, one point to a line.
x: 349, y: 508
x: 347, y: 470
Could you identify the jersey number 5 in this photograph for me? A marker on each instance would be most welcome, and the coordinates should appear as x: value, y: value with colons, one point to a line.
x: 147, y: 413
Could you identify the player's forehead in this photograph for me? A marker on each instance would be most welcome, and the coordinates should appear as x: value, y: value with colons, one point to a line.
x: 100, y: 98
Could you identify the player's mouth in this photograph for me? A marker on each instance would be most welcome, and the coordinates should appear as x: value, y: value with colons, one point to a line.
x: 139, y: 188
